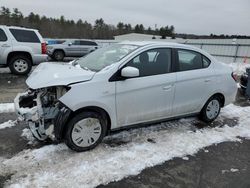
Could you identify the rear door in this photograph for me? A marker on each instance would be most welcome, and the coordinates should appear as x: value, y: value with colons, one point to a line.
x: 193, y: 83
x: 5, y: 45
x: 150, y: 96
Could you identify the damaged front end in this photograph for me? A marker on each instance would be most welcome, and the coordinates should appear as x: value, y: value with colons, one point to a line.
x: 45, y: 114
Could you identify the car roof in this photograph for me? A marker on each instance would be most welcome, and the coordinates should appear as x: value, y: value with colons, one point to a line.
x: 152, y: 43
x: 18, y: 27
x: 167, y: 44
x: 89, y: 40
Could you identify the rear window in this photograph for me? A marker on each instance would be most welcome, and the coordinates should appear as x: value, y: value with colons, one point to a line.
x: 189, y: 60
x: 3, y: 37
x: 25, y: 35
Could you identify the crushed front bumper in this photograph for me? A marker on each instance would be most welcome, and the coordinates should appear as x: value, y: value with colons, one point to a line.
x: 26, y: 113
x: 33, y: 115
x: 44, y: 122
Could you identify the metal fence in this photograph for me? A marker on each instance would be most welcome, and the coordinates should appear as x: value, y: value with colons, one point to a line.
x: 225, y: 50
x: 229, y: 53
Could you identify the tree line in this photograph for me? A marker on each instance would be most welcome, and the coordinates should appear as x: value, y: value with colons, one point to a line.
x: 64, y: 28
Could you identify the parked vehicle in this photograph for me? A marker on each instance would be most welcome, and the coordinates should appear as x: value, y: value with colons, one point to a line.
x: 120, y: 86
x: 71, y: 48
x: 20, y: 48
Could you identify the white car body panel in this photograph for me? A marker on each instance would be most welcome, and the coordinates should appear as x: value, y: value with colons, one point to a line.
x: 57, y: 75
x: 229, y: 89
x: 143, y: 99
x: 137, y: 100
x: 86, y: 94
x: 190, y: 89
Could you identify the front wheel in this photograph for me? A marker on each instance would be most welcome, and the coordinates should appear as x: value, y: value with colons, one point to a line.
x: 211, y: 109
x: 85, y: 131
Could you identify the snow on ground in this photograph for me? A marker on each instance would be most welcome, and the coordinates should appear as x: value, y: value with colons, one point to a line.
x: 231, y: 170
x: 57, y: 166
x: 7, y: 124
x: 6, y: 107
x: 28, y: 135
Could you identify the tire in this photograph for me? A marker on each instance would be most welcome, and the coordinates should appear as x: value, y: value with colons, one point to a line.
x: 58, y: 55
x: 211, y: 109
x: 76, y: 137
x: 20, y: 65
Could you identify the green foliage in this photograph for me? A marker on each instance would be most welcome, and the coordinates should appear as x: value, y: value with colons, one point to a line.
x: 63, y: 28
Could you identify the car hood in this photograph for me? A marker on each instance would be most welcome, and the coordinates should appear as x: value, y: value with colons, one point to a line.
x: 55, y: 74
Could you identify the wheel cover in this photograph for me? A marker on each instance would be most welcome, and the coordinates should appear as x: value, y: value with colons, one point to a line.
x: 86, y: 132
x: 58, y: 55
x: 213, y: 109
x: 20, y: 65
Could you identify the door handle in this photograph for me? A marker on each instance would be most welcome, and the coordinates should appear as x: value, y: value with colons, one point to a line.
x: 167, y: 87
x: 5, y: 45
x: 207, y: 80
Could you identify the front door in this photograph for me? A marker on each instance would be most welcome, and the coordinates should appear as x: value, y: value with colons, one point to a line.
x: 150, y: 96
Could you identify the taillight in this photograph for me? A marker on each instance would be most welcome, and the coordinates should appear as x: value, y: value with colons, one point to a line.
x: 44, y: 48
x: 234, y: 76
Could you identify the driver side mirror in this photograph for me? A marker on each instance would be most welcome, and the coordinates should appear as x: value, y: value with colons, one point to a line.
x: 70, y: 44
x: 130, y: 72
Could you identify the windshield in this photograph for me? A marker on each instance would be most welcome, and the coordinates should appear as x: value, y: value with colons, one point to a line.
x: 105, y: 56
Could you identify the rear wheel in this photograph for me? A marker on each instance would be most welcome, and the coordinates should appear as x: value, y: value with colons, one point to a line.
x: 85, y: 131
x: 58, y: 55
x: 211, y: 109
x: 20, y: 65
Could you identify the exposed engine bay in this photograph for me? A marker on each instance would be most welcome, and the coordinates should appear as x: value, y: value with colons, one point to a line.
x: 40, y: 108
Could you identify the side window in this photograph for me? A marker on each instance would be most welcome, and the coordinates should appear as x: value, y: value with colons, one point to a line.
x: 89, y: 43
x: 93, y: 43
x: 25, y: 35
x: 76, y: 42
x: 189, y: 60
x: 3, y: 36
x: 206, y: 62
x: 153, y: 62
x: 83, y: 42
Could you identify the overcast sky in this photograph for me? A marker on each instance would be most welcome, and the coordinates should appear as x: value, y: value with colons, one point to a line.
x: 188, y: 16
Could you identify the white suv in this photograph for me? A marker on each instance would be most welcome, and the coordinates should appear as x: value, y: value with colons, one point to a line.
x: 20, y: 48
x: 120, y: 86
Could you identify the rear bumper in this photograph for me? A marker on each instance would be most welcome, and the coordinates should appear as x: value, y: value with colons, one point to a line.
x: 40, y: 58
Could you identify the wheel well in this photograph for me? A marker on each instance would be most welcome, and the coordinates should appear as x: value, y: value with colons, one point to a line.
x: 59, y: 50
x: 99, y: 110
x: 13, y: 54
x: 221, y: 97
